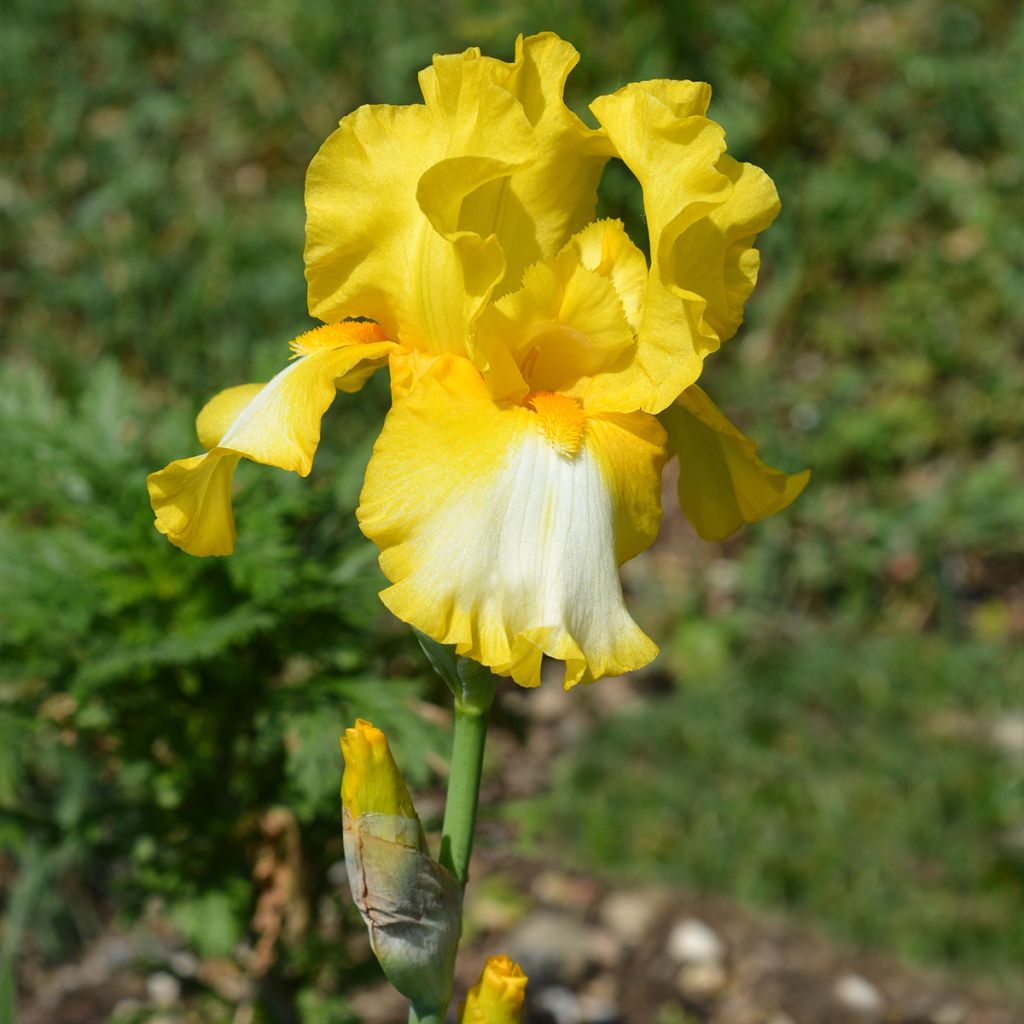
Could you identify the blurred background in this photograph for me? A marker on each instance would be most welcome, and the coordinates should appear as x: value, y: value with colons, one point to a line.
x: 832, y: 741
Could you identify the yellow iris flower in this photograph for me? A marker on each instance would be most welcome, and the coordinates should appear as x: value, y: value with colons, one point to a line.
x: 541, y: 370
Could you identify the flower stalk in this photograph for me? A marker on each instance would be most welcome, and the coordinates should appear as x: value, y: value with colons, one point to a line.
x: 473, y: 688
x: 471, y: 719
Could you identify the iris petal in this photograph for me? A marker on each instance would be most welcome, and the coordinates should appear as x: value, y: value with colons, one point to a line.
x: 277, y: 424
x: 416, y: 215
x: 497, y: 541
x: 722, y: 482
x: 703, y: 210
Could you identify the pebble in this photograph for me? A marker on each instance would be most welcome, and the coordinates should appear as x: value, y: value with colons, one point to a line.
x: 562, y: 891
x: 630, y: 914
x: 163, y: 989
x: 550, y: 946
x: 598, y: 1003
x: 127, y: 1008
x: 1008, y: 734
x: 950, y: 1013
x: 604, y: 949
x: 699, y: 981
x: 691, y: 941
x: 857, y: 994
x: 560, y: 1003
x: 183, y: 963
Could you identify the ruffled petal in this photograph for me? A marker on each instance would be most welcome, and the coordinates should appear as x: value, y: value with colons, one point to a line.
x: 722, y: 482
x: 605, y: 248
x: 501, y: 526
x: 415, y: 214
x: 192, y: 502
x: 386, y: 237
x: 575, y: 327
x: 715, y: 257
x: 536, y: 209
x: 703, y: 211
x: 566, y: 322
x: 277, y: 424
x: 222, y: 410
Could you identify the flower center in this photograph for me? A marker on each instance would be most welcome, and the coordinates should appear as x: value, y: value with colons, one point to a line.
x: 560, y: 420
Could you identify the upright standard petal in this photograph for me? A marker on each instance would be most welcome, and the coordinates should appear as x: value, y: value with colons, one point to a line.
x: 501, y: 526
x: 576, y: 326
x: 277, y: 424
x: 703, y: 210
x: 722, y: 482
x: 383, y: 197
x: 535, y: 210
x: 416, y: 215
x: 565, y: 323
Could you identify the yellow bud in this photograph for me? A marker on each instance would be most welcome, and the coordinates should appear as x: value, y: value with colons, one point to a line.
x: 411, y: 905
x: 497, y: 998
x: 372, y: 783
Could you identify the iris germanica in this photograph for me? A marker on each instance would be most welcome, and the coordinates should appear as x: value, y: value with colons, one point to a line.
x: 542, y: 369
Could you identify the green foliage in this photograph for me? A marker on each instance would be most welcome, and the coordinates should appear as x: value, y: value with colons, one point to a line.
x: 154, y: 704
x: 854, y: 779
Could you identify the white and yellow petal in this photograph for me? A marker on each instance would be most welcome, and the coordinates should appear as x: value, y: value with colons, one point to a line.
x: 722, y: 482
x: 277, y: 424
x: 501, y: 526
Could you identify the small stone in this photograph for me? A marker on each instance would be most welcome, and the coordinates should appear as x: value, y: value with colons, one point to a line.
x: 130, y: 1008
x: 550, y: 947
x: 1013, y: 839
x: 630, y: 914
x: 858, y: 995
x: 163, y: 989
x: 598, y: 1002
x: 380, y: 1004
x: 560, y: 1003
x: 691, y: 941
x: 183, y: 963
x: 699, y: 981
x: 604, y: 949
x: 1008, y: 734
x: 950, y: 1013
x: 562, y: 891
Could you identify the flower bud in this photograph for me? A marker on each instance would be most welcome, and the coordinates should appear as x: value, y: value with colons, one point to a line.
x: 497, y: 998
x: 411, y: 905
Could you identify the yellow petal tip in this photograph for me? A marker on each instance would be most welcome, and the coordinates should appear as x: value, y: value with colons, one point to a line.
x: 498, y: 997
x: 372, y: 782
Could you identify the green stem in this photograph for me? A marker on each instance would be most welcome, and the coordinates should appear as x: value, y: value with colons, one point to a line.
x: 473, y: 687
x: 464, y: 782
x: 428, y: 1018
